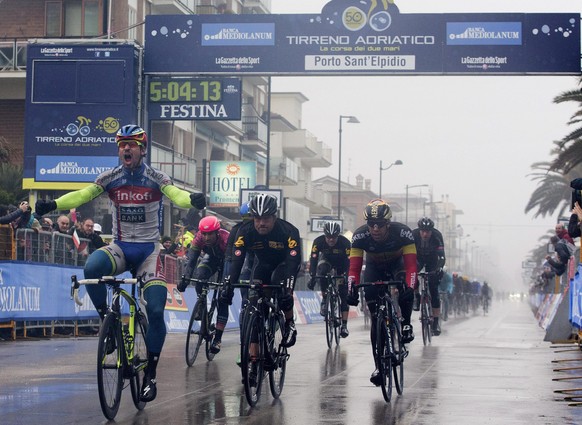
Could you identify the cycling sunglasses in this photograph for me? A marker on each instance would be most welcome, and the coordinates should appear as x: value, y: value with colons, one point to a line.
x: 130, y: 142
x: 380, y: 224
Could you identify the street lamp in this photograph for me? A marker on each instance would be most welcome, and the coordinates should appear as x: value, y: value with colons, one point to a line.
x: 397, y: 162
x: 406, y: 208
x: 351, y: 120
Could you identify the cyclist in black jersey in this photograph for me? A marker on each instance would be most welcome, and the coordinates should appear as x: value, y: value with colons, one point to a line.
x: 390, y: 252
x: 430, y: 254
x: 275, y: 244
x: 331, y: 251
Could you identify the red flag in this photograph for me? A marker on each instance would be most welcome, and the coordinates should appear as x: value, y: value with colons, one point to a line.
x: 78, y: 244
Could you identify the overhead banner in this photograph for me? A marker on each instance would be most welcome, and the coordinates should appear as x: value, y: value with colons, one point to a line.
x: 77, y: 97
x: 227, y: 178
x: 364, y: 37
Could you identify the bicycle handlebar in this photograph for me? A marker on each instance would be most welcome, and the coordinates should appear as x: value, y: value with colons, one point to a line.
x: 205, y: 282
x: 256, y: 284
x: 389, y: 283
x: 109, y: 280
x: 327, y: 276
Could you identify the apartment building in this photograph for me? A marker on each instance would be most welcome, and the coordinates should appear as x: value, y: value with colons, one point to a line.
x: 284, y: 152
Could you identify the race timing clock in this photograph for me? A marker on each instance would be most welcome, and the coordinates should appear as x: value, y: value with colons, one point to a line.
x: 185, y: 90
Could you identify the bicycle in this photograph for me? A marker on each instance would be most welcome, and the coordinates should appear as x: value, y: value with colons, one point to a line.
x: 121, y: 351
x: 485, y: 305
x: 204, y: 328
x: 445, y: 305
x: 263, y: 327
x: 390, y: 351
x: 333, y: 313
x: 425, y: 307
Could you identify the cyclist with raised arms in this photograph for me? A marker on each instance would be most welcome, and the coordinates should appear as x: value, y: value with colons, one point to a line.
x: 135, y: 192
x: 331, y: 251
x: 430, y: 255
x: 205, y: 258
x: 275, y: 244
x: 390, y: 252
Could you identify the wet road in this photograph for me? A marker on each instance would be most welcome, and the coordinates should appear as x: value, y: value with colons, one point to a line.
x: 492, y: 369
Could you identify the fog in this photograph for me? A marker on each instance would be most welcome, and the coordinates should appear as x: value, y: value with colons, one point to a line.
x: 471, y: 138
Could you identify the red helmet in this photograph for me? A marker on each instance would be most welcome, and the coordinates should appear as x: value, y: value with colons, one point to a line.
x: 209, y: 224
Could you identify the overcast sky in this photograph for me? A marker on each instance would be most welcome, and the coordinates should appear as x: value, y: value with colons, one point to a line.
x: 473, y: 138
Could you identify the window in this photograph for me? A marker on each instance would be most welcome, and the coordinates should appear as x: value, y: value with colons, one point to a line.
x: 53, y: 18
x: 73, y: 18
x: 132, y: 20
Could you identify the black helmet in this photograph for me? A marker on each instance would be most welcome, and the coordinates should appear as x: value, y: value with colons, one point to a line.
x: 425, y: 223
x: 263, y: 205
x: 331, y: 229
x: 377, y: 210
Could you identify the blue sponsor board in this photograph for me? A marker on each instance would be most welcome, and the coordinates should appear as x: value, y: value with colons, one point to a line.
x: 238, y: 34
x: 363, y: 38
x: 74, y: 168
x: 78, y: 96
x: 576, y: 299
x: 484, y: 33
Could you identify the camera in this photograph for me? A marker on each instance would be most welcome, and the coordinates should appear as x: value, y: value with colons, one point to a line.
x: 576, y: 197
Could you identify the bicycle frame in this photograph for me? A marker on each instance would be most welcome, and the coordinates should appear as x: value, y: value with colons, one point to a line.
x: 261, y: 349
x: 117, y: 343
x: 390, y: 351
x: 204, y: 332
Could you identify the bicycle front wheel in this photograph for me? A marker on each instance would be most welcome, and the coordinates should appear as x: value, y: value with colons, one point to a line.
x: 278, y: 354
x: 252, y: 355
x: 139, y: 360
x: 425, y: 321
x: 398, y: 354
x: 210, y: 329
x: 194, y: 338
x: 383, y: 357
x: 329, y: 325
x: 337, y: 318
x: 110, y: 365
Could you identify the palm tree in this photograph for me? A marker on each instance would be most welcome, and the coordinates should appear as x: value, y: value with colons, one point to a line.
x: 570, y: 147
x: 553, y: 192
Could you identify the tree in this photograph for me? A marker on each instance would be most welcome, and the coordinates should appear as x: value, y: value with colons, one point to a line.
x: 569, y: 151
x: 11, y: 191
x: 553, y: 192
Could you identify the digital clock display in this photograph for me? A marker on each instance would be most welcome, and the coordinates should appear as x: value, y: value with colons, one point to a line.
x: 185, y: 90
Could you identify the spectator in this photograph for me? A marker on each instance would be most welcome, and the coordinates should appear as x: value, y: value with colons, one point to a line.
x: 17, y: 213
x: 97, y: 229
x: 86, y: 231
x: 562, y: 233
x: 560, y: 263
x: 63, y: 246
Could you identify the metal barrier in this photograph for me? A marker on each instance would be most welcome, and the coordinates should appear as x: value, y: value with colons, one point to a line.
x: 49, y: 247
x: 7, y: 251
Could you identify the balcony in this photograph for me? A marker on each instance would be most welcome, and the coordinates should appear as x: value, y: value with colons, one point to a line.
x: 283, y: 171
x: 300, y: 144
x: 179, y: 167
x: 173, y: 7
x: 255, y: 134
x: 13, y: 55
x: 251, y: 7
x: 322, y: 159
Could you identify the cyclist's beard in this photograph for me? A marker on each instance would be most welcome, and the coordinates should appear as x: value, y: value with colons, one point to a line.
x: 131, y: 160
